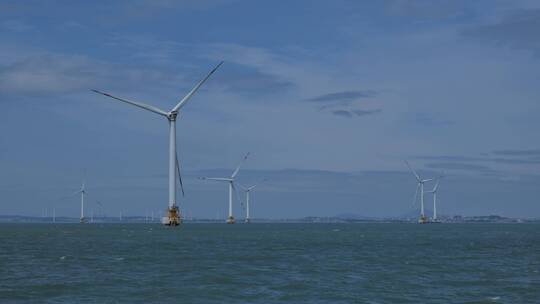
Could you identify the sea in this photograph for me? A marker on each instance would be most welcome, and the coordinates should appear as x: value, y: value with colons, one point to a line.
x: 270, y: 263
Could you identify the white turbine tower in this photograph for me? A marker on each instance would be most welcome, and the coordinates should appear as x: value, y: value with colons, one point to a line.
x: 434, y: 192
x: 422, y: 219
x: 82, y: 192
x: 247, y: 190
x: 173, y: 216
x: 230, y: 180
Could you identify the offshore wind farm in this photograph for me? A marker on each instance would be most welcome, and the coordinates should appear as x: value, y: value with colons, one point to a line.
x: 393, y: 151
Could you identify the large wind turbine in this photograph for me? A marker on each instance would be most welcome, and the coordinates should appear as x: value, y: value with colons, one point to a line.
x: 422, y: 219
x: 434, y: 192
x: 247, y: 190
x: 230, y: 180
x: 173, y: 216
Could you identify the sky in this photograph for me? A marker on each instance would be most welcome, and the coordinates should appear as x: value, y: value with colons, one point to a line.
x: 329, y: 97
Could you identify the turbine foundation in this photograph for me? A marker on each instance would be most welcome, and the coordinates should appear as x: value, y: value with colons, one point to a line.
x: 83, y: 220
x: 248, y: 221
x: 172, y: 218
x: 230, y: 220
x: 422, y: 220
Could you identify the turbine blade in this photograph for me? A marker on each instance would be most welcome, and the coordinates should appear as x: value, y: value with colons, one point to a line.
x: 243, y: 187
x: 195, y: 88
x: 238, y: 200
x: 436, y: 187
x: 221, y: 179
x: 179, y: 176
x: 137, y: 104
x: 414, y: 172
x: 238, y: 168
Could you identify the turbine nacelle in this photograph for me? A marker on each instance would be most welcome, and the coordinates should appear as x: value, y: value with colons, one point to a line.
x: 171, y: 116
x: 247, y: 189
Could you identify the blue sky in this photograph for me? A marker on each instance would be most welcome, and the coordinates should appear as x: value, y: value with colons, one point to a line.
x: 328, y: 96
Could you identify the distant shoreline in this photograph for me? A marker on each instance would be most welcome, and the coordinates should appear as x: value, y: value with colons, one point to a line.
x: 305, y: 220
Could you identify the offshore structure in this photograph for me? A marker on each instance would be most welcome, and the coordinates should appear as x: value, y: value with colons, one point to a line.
x: 172, y: 217
x: 230, y: 180
x: 422, y: 219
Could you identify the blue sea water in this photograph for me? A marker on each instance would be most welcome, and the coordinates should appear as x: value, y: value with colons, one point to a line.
x: 270, y: 263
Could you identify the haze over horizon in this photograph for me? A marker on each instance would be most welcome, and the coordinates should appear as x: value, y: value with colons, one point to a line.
x: 329, y: 98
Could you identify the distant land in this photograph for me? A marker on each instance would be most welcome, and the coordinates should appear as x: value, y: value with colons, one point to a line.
x: 343, y: 218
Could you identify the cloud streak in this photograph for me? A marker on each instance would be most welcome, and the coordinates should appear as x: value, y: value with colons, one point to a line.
x: 529, y: 152
x: 357, y: 113
x: 342, y: 97
x: 460, y: 166
x: 340, y: 103
x: 487, y: 158
x: 366, y: 112
x: 519, y: 29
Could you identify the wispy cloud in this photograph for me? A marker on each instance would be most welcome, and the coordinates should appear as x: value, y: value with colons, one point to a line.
x: 353, y: 113
x: 450, y: 158
x: 246, y: 80
x: 55, y: 73
x: 460, y: 166
x: 344, y: 103
x: 342, y: 97
x: 472, y: 163
x: 342, y: 113
x: 529, y: 152
x: 366, y: 112
x: 47, y: 74
x: 515, y: 161
x: 519, y: 29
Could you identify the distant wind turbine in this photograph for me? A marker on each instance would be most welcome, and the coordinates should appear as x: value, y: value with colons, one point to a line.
x: 173, y: 216
x: 247, y: 190
x: 422, y: 219
x: 230, y: 180
x: 434, y: 192
x: 82, y: 192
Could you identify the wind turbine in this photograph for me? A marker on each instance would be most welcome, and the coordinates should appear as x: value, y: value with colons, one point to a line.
x: 230, y: 180
x: 247, y: 190
x: 422, y: 219
x: 173, y: 216
x: 100, y: 210
x: 434, y: 192
x: 82, y: 192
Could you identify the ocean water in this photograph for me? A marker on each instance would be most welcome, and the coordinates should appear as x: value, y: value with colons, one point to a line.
x: 270, y: 263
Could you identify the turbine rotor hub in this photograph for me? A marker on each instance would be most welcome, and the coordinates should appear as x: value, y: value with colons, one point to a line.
x: 172, y: 115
